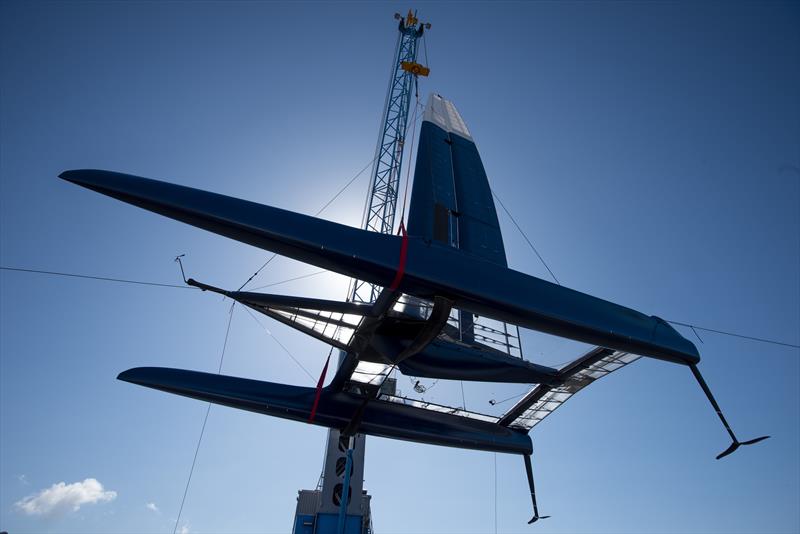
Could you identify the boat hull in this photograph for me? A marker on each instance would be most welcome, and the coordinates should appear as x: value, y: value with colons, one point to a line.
x: 429, y: 269
x: 335, y: 410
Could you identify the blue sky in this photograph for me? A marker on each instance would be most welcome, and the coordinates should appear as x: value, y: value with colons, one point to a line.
x: 650, y: 150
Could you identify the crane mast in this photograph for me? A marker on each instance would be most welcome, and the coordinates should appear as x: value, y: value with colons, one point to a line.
x: 381, y: 203
x: 339, y: 504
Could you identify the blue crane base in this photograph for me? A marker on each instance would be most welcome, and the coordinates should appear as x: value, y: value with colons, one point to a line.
x: 328, y: 524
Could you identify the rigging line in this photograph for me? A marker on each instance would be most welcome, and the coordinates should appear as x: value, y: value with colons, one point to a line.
x: 157, y: 284
x: 348, y: 184
x: 295, y: 360
x: 698, y: 335
x: 323, y: 208
x: 291, y: 279
x: 495, y: 402
x: 495, y: 493
x: 205, y: 420
x: 410, y: 157
x: 526, y: 237
x: 274, y: 255
x: 693, y: 327
x: 103, y: 278
x: 425, y: 48
x: 463, y: 400
x: 140, y: 282
x: 743, y: 336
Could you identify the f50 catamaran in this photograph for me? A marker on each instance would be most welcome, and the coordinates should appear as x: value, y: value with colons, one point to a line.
x: 450, y: 260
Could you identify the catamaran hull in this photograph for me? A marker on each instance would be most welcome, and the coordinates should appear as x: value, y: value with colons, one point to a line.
x: 429, y: 268
x: 335, y: 410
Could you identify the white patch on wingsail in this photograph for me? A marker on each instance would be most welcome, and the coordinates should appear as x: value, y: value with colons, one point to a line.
x: 62, y: 497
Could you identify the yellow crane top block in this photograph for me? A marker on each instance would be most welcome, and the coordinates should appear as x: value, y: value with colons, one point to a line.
x: 415, y: 68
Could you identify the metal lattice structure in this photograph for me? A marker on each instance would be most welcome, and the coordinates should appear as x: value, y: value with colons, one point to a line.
x: 379, y: 216
x: 381, y: 204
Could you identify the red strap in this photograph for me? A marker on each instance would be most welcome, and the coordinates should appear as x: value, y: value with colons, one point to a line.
x: 319, y: 389
x: 401, y: 268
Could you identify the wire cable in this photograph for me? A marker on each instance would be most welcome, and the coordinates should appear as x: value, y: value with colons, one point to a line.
x: 526, y: 237
x: 417, y: 106
x: 205, y: 420
x: 425, y: 48
x: 90, y: 277
x: 518, y: 395
x: 348, y: 184
x: 301, y: 277
x: 143, y: 283
x: 316, y: 273
x: 743, y: 336
x: 323, y: 208
x: 295, y: 360
x: 495, y: 493
x: 694, y: 328
x: 274, y: 255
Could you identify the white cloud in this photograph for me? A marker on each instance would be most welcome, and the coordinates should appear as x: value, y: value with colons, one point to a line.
x: 23, y: 479
x: 184, y: 529
x: 152, y: 507
x: 60, y: 498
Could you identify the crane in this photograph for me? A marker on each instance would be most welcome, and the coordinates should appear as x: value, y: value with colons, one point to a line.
x: 339, y: 503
